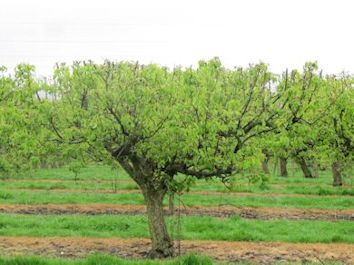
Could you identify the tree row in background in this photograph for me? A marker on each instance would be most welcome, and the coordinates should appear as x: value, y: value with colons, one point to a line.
x: 166, y: 126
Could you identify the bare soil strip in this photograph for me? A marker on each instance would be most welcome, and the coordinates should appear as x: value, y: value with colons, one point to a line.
x: 221, y: 211
x: 214, y: 193
x: 254, y: 252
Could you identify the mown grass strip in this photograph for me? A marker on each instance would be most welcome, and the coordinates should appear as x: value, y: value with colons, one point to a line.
x: 211, y: 186
x: 102, y: 177
x: 100, y: 259
x: 194, y: 228
x: 104, y: 260
x: 93, y: 172
x: 47, y: 197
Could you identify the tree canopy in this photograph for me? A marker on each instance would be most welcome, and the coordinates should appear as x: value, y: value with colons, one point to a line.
x: 157, y: 123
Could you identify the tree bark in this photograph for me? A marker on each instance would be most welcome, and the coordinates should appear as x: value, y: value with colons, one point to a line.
x: 154, y: 191
x: 315, y: 168
x: 171, y: 203
x: 283, y: 167
x: 265, y: 167
x: 305, y: 168
x: 162, y: 245
x: 337, y: 176
x: 265, y: 162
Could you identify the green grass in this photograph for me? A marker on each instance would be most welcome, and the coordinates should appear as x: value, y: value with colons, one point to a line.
x: 95, y: 174
x: 104, y: 260
x: 194, y: 228
x: 319, y: 189
x: 89, y: 186
x: 198, y: 228
x: 214, y: 186
x: 46, y: 197
x: 100, y: 259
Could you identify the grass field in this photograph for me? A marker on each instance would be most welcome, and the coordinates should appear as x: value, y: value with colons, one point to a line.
x: 303, y: 204
x: 102, y: 260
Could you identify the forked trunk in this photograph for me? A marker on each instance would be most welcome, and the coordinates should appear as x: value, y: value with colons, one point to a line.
x: 305, y: 168
x: 337, y: 176
x: 283, y: 167
x: 162, y: 245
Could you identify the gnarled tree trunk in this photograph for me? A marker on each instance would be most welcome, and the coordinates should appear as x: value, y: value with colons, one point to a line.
x: 305, y: 168
x: 337, y: 176
x: 162, y: 245
x: 154, y: 191
x: 265, y: 162
x: 283, y: 167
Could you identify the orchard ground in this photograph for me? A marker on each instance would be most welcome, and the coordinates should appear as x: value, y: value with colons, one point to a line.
x: 65, y: 219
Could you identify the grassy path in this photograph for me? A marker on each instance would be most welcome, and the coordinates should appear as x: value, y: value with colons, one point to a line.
x: 248, y: 200
x: 206, y: 193
x: 194, y: 227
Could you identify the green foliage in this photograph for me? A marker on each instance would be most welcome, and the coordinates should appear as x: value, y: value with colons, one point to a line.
x: 201, y: 122
x: 209, y: 121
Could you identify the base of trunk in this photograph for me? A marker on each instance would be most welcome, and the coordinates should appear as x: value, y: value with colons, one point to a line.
x: 337, y: 184
x: 162, y: 245
x: 283, y: 167
x: 265, y: 167
x: 337, y: 176
x: 305, y: 168
x: 166, y: 252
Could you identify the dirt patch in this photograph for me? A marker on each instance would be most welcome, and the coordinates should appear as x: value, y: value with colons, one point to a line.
x: 216, y: 211
x: 254, y: 252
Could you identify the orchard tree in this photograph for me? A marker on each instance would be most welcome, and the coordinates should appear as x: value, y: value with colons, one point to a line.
x: 157, y: 123
x: 304, y: 97
x: 336, y: 130
x: 6, y: 114
x: 19, y: 123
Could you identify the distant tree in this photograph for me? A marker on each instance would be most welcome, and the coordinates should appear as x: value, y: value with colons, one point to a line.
x: 17, y: 150
x: 336, y: 130
x: 6, y: 114
x: 305, y: 105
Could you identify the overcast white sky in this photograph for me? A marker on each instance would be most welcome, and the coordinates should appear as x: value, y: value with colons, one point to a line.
x: 282, y: 33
